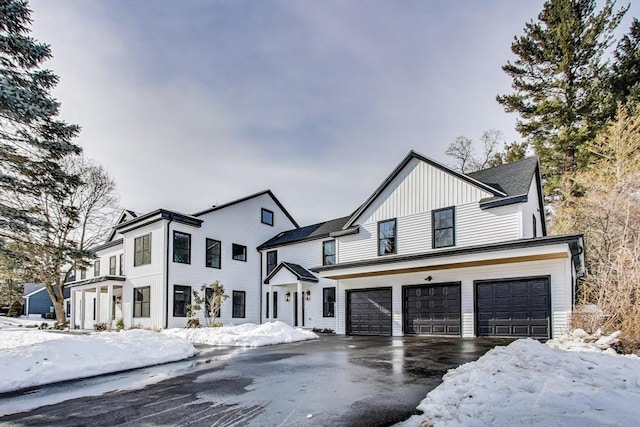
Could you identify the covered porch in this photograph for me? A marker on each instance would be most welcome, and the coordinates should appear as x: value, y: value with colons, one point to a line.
x: 96, y: 301
x: 294, y: 285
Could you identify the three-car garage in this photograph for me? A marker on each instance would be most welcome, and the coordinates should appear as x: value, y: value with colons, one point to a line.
x: 518, y: 307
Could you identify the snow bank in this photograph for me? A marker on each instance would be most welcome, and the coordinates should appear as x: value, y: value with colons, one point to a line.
x: 30, y: 358
x: 579, y: 340
x: 22, y: 322
x: 246, y: 335
x: 529, y: 383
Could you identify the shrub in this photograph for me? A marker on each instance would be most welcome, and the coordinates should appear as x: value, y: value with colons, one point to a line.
x: 99, y: 327
x: 120, y: 324
x: 43, y: 325
x: 15, y: 310
x: 193, y: 323
x: 217, y: 324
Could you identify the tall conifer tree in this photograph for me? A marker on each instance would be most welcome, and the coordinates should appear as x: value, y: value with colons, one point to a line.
x: 559, y: 84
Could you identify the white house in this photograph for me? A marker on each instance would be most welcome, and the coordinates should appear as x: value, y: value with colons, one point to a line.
x: 431, y: 251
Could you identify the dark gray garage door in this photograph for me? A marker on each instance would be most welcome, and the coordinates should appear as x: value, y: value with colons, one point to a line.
x: 369, y: 312
x: 513, y: 308
x: 432, y: 309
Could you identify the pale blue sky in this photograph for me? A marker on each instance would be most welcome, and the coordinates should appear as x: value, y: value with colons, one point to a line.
x: 194, y: 103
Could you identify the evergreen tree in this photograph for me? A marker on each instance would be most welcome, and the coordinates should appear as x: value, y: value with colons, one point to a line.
x: 625, y: 72
x: 558, y: 79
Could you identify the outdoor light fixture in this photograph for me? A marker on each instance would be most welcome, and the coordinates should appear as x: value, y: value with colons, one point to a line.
x: 428, y: 279
x: 308, y: 293
x: 287, y: 296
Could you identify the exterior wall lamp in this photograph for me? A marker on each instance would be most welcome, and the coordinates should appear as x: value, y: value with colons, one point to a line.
x: 287, y: 296
x: 308, y: 295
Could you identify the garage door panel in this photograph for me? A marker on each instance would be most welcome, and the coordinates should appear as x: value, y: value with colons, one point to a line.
x: 369, y: 312
x: 432, y: 309
x: 516, y: 308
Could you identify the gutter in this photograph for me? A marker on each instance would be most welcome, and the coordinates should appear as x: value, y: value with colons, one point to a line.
x: 166, y: 274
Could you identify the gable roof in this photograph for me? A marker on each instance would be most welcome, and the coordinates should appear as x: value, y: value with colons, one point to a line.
x: 268, y: 192
x: 300, y: 272
x: 414, y: 155
x: 303, y: 234
x: 31, y: 288
x: 160, y: 214
x: 122, y: 218
x: 514, y: 178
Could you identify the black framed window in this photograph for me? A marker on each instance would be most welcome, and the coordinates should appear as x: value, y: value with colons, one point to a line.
x: 112, y: 266
x: 181, y: 300
x: 181, y: 247
x: 121, y: 264
x: 267, y: 310
x: 238, y: 252
x: 275, y: 305
x: 329, y: 252
x: 213, y: 252
x: 83, y: 274
x: 535, y: 226
x: 141, y: 301
x: 272, y: 261
x: 443, y: 221
x: 328, y: 302
x: 96, y: 268
x: 387, y: 237
x: 238, y: 304
x: 142, y: 250
x: 266, y: 216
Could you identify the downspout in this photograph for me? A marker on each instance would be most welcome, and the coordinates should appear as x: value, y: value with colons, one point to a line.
x: 260, y: 284
x: 166, y: 274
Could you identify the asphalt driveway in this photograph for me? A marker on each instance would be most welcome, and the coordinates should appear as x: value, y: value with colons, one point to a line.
x: 335, y: 380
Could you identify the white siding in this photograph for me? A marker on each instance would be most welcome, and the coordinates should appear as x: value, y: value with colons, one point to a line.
x: 529, y: 210
x: 240, y: 224
x: 308, y: 255
x: 558, y: 269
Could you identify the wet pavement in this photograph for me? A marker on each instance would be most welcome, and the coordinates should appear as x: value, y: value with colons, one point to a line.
x: 335, y: 380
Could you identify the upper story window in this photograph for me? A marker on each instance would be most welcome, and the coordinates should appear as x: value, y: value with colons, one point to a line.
x: 387, y: 237
x: 213, y: 251
x: 121, y: 264
x: 83, y: 274
x: 238, y: 252
x: 443, y: 228
x: 142, y: 250
x: 329, y: 252
x: 272, y: 261
x: 266, y: 216
x: 96, y: 268
x: 112, y: 266
x: 181, y: 247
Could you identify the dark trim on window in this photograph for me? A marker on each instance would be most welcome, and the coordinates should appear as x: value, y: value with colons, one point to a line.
x: 238, y: 252
x: 266, y: 216
x: 275, y: 304
x: 112, y: 265
x: 328, y: 257
x: 271, y: 263
x: 142, y: 250
x: 328, y: 302
x: 392, y: 240
x: 181, y: 247
x: 181, y: 300
x: 436, y: 229
x: 121, y: 271
x: 267, y: 309
x: 96, y: 268
x: 210, y: 255
x: 142, y: 301
x: 535, y: 225
x: 239, y: 304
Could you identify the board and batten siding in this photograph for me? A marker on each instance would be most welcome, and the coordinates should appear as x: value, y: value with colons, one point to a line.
x: 559, y: 271
x: 241, y: 224
x: 420, y: 187
x: 308, y: 255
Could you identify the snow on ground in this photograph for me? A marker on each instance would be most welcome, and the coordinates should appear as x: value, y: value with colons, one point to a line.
x: 246, y: 335
x: 32, y: 357
x: 18, y: 323
x: 529, y: 383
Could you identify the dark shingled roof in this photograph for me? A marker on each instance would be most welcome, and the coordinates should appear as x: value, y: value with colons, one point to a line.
x: 310, y: 232
x: 511, y: 178
x: 300, y: 272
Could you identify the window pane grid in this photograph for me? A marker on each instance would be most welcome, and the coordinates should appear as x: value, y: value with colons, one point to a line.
x: 443, y: 228
x: 213, y: 253
x: 181, y: 247
x: 387, y: 237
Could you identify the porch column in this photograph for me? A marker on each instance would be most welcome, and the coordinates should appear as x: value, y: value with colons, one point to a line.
x: 300, y: 302
x: 109, y: 306
x: 72, y: 310
x: 98, y: 290
x: 270, y: 318
x: 83, y: 308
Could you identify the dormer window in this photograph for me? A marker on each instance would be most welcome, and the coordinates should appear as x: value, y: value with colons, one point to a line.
x: 387, y: 237
x: 443, y: 221
x: 267, y: 216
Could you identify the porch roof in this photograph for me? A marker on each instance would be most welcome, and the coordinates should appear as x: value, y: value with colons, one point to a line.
x: 96, y: 280
x: 298, y: 271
